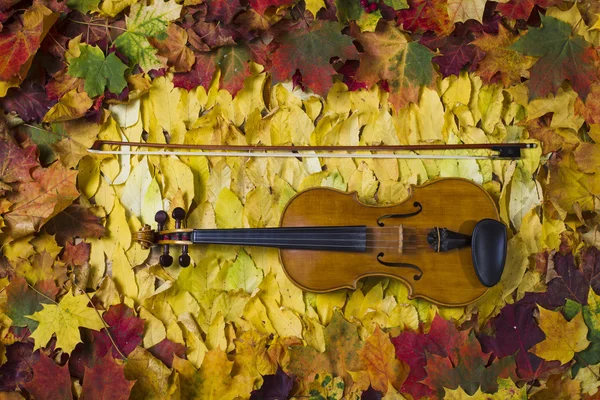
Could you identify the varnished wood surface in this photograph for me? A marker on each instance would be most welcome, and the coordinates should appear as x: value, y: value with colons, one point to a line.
x: 448, y: 278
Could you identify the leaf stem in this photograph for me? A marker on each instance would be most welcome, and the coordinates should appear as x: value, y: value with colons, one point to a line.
x: 101, y: 319
x: 98, y: 25
x: 41, y: 294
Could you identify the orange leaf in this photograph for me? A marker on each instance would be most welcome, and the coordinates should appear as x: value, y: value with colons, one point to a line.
x: 174, y: 48
x: 379, y: 356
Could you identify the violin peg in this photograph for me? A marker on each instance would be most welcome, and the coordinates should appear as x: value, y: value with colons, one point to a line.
x: 160, y: 218
x: 166, y: 260
x: 178, y: 214
x: 184, y: 260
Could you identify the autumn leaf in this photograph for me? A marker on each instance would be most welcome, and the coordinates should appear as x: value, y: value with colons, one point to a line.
x: 500, y: 60
x: 17, y: 370
x: 174, y: 49
x: 467, y: 366
x: 383, y: 367
x: 50, y: 381
x: 98, y: 71
x: 424, y: 15
x: 563, y: 338
x: 521, y: 9
x: 310, y: 51
x: 75, y: 221
x: 388, y: 55
x: 16, y: 163
x: 563, y: 55
x: 20, y: 40
x: 146, y: 20
x: 106, y: 379
x: 34, y: 203
x: 64, y: 320
x: 23, y: 300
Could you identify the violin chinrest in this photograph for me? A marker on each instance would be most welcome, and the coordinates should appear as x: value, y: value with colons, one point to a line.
x: 488, y: 249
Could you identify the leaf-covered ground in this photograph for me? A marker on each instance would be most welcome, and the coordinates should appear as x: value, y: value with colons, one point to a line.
x: 85, y: 312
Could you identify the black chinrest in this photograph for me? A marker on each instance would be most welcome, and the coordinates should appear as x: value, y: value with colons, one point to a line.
x: 488, y: 250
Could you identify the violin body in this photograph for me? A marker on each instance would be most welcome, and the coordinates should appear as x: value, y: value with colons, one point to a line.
x: 448, y: 278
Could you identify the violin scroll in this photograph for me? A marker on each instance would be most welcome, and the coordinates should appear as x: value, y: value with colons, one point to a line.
x: 148, y: 237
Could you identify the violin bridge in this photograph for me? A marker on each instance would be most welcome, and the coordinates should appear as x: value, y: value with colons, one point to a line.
x: 400, y: 238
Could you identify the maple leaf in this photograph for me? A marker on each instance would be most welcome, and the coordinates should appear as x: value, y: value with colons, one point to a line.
x: 165, y: 350
x: 388, y: 55
x: 75, y: 221
x: 222, y: 10
x: 17, y: 370
x: 16, y: 163
x: 310, y: 51
x: 20, y: 40
x: 50, y: 381
x: 568, y: 283
x: 146, y: 20
x: 29, y: 101
x: 559, y: 387
x: 36, y: 202
x: 563, y: 55
x: 24, y: 301
x: 467, y: 366
x: 124, y: 327
x: 98, y: 71
x: 500, y: 60
x: 457, y: 53
x: 342, y: 344
x: 424, y: 15
x: 106, y: 380
x: 232, y: 61
x: 261, y: 5
x: 521, y: 9
x: 379, y: 356
x: 463, y: 10
x: 412, y: 348
x: 277, y: 386
x: 64, y: 320
x: 76, y: 254
x: 174, y: 49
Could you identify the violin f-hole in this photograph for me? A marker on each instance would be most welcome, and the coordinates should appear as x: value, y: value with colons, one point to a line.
x: 416, y: 277
x: 406, y: 215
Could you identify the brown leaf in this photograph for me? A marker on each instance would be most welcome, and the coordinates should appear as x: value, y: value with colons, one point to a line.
x: 16, y: 163
x: 174, y: 48
x: 106, y: 380
x: 75, y: 221
x: 36, y: 202
x: 50, y: 381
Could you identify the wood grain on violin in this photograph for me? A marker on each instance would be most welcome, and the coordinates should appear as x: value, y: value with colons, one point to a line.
x: 444, y: 241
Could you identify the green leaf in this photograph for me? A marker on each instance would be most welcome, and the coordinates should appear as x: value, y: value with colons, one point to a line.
x: 396, y: 4
x: 563, y: 55
x: 97, y: 71
x: 146, y: 20
x: 83, y: 6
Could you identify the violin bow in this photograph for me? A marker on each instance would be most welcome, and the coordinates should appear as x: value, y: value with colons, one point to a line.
x: 503, y: 151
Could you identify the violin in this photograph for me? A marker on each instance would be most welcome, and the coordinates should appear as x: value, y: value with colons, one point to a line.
x: 444, y: 242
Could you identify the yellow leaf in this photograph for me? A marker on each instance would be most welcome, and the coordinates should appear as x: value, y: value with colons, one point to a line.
x: 154, y: 329
x: 228, y: 210
x: 314, y: 6
x: 122, y: 273
x: 588, y: 377
x: 64, y: 319
x: 243, y: 274
x: 88, y: 177
x: 463, y: 10
x: 327, y: 303
x: 138, y: 182
x: 364, y: 183
x: 563, y: 338
x: 151, y: 375
x: 177, y: 176
x: 72, y: 105
x: 117, y: 230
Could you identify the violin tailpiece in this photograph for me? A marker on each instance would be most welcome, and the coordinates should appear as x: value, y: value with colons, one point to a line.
x: 443, y: 239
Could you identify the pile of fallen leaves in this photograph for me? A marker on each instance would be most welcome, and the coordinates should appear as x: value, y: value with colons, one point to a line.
x: 86, y: 312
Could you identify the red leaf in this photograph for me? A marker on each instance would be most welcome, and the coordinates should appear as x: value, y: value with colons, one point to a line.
x: 532, y: 368
x: 17, y: 370
x: 261, y: 5
x: 29, y: 101
x: 222, y: 10
x: 165, y: 350
x: 106, y: 380
x: 426, y: 15
x: 310, y: 51
x: 412, y: 347
x: 590, y: 263
x: 15, y: 162
x: 125, y: 328
x: 50, y: 381
x: 521, y: 9
x: 76, y: 254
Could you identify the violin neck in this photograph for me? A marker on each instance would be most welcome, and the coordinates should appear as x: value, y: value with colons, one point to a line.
x: 327, y: 238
